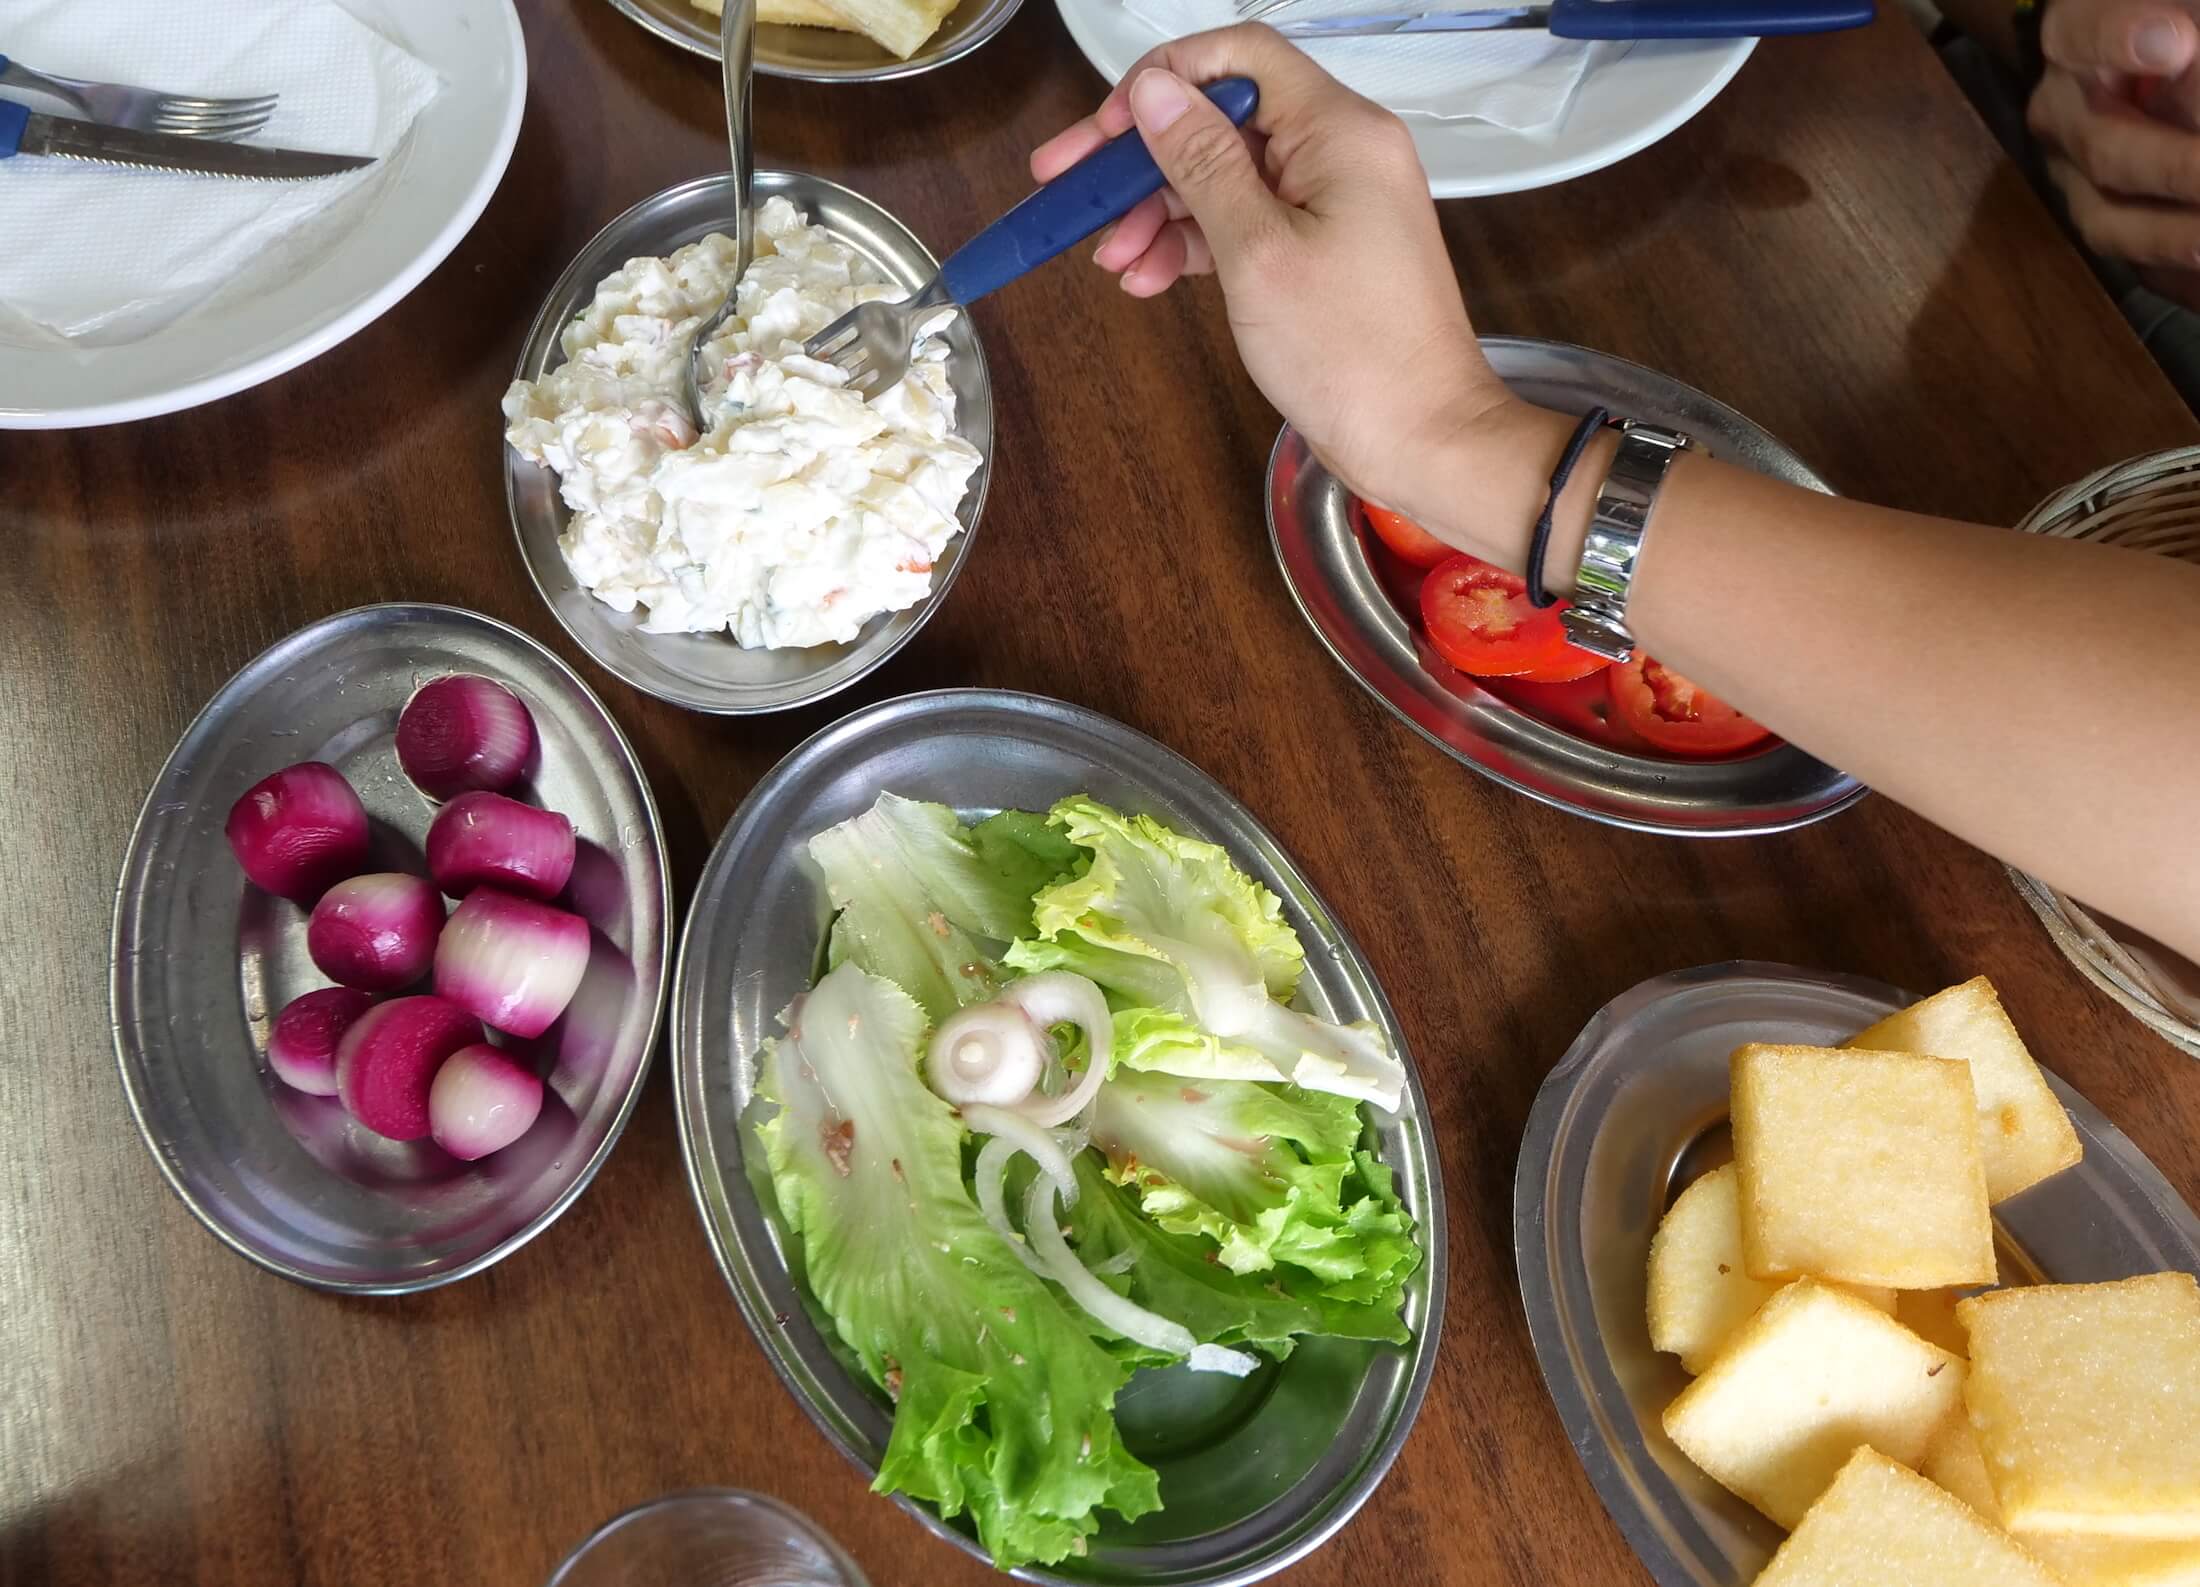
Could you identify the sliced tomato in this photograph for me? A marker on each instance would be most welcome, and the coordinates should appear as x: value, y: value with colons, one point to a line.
x: 1405, y: 538
x: 1571, y: 665
x: 1670, y: 713
x: 1480, y: 620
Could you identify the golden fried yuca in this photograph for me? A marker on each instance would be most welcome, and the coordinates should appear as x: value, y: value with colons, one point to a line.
x: 1699, y: 1291
x: 901, y: 26
x: 1931, y: 1314
x: 1954, y: 1461
x: 1813, y: 1374
x: 1860, y: 1166
x: 2024, y: 1133
x: 1882, y: 1525
x: 790, y: 13
x: 2086, y: 1401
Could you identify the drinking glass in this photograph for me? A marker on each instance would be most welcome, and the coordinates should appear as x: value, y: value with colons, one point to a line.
x: 709, y: 1537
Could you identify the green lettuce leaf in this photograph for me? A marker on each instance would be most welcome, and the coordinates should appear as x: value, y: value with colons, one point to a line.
x: 1272, y: 1175
x: 1177, y: 1275
x: 928, y: 903
x: 1166, y: 922
x: 1003, y: 1401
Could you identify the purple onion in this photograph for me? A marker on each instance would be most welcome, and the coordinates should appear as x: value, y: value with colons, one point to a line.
x: 299, y: 831
x: 387, y: 1062
x: 482, y: 1101
x: 511, y: 961
x: 462, y: 733
x: 301, y: 1048
x: 376, y: 932
x: 487, y: 840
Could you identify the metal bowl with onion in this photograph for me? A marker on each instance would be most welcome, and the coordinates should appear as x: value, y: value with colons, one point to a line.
x: 709, y: 672
x: 203, y: 960
x: 826, y: 55
x: 1256, y: 1472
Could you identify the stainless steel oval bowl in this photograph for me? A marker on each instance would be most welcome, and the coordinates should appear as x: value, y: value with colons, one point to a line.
x: 1310, y: 524
x: 203, y: 962
x: 709, y: 672
x: 826, y: 55
x: 1254, y: 1474
x: 1633, y: 1112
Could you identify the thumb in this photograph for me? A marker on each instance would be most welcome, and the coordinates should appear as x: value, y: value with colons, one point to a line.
x: 2129, y: 36
x: 1204, y: 158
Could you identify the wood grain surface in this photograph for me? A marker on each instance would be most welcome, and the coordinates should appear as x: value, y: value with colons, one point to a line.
x: 1834, y: 246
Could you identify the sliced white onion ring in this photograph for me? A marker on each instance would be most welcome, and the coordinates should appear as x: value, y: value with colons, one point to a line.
x: 1058, y: 997
x: 989, y: 1053
x: 993, y: 1160
x: 1126, y: 1317
x: 1003, y: 1124
x: 1221, y: 1358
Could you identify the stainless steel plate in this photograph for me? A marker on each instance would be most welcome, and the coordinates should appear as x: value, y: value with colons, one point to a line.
x: 709, y: 672
x: 1327, y: 569
x: 1632, y: 1113
x: 203, y: 962
x: 1253, y: 1474
x: 826, y: 55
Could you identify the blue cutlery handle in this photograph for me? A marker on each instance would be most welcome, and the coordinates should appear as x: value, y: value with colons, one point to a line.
x: 13, y: 119
x: 1703, y: 19
x: 1097, y: 189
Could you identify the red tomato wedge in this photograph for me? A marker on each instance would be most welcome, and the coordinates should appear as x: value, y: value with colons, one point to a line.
x: 1670, y: 713
x: 1480, y: 620
x: 1571, y: 666
x: 1406, y: 539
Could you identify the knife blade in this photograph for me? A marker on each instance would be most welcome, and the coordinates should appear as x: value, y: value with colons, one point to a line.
x: 22, y: 131
x: 1383, y: 24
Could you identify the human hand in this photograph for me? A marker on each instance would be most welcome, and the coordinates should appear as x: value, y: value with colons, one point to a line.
x: 1317, y: 221
x: 2115, y: 115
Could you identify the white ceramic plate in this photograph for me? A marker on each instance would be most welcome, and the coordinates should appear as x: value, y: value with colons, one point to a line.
x: 443, y: 175
x: 1633, y: 95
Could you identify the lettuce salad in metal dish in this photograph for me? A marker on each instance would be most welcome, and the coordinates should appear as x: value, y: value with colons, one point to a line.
x: 1048, y: 1118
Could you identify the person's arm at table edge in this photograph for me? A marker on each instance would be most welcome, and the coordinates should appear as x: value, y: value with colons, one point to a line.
x: 2039, y: 697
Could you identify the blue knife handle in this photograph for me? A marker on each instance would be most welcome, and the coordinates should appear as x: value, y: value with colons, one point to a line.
x: 1101, y: 187
x: 13, y: 119
x: 1703, y: 19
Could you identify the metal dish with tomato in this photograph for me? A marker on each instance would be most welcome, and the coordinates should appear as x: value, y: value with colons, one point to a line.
x: 1454, y: 646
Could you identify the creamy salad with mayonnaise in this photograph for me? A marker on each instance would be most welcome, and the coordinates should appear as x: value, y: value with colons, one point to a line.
x: 804, y: 510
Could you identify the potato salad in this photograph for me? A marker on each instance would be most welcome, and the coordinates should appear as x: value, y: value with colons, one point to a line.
x: 804, y: 509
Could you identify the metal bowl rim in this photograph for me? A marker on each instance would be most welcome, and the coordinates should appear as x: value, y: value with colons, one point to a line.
x: 695, y: 1144
x: 884, y: 72
x: 1611, y: 818
x: 587, y: 1172
x: 511, y: 464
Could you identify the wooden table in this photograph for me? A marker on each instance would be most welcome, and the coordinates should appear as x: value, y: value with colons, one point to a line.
x: 1834, y: 246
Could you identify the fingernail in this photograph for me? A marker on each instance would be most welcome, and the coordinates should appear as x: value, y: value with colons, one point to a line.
x: 2157, y: 44
x: 1100, y: 247
x: 1158, y: 97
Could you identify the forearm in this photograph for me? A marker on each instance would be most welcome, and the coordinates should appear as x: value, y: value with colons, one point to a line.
x: 2039, y: 697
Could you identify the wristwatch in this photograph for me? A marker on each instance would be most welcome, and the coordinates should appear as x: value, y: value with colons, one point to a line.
x: 1597, y: 619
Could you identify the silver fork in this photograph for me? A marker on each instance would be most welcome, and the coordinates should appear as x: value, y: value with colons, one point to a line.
x: 146, y: 109
x: 1254, y: 10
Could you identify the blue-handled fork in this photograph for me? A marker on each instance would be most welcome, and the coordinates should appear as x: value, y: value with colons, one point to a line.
x: 1572, y: 19
x: 144, y: 109
x: 871, y: 342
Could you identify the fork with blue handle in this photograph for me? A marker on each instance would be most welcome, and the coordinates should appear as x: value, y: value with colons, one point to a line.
x: 871, y: 342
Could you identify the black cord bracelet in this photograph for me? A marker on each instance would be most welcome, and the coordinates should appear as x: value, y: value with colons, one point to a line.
x: 1591, y: 422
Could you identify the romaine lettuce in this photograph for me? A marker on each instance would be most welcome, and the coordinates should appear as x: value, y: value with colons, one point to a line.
x: 1003, y: 1400
x: 1169, y: 923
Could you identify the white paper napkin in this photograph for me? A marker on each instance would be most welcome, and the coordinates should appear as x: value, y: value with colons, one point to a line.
x: 1520, y: 81
x: 108, y: 255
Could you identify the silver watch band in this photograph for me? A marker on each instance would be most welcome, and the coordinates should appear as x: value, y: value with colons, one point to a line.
x: 1597, y: 619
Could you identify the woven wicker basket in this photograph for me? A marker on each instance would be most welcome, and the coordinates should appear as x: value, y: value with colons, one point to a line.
x: 2148, y: 504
